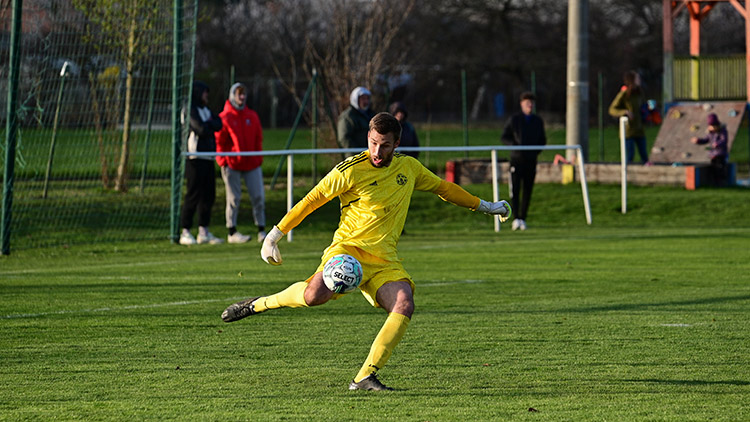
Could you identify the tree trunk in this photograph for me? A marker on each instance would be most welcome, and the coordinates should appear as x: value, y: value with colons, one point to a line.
x: 121, y: 184
x: 99, y: 131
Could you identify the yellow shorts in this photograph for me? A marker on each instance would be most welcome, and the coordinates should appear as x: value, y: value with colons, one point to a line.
x: 375, y: 271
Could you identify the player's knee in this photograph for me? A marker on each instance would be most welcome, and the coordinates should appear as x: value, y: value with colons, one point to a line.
x: 404, y: 306
x: 317, y: 293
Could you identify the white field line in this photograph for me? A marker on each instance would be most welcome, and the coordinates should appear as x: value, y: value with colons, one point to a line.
x: 238, y: 257
x: 181, y: 303
x: 58, y: 270
x: 119, y: 308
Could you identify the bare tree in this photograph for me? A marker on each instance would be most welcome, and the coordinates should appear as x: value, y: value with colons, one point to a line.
x: 357, y: 44
x: 126, y: 27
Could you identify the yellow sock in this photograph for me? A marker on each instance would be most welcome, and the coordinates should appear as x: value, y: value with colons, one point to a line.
x: 291, y: 297
x: 386, y: 340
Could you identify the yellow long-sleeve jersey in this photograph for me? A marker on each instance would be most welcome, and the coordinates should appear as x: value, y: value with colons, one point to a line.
x: 374, y: 201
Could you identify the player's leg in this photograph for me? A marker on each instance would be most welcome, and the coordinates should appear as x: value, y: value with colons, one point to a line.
x: 398, y: 300
x: 311, y: 292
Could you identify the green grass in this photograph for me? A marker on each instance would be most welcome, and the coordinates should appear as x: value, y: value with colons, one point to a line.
x: 640, y: 316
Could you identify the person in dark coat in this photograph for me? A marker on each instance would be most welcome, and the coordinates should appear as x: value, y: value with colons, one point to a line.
x: 354, y: 122
x: 523, y: 128
x: 200, y: 174
x: 408, y: 134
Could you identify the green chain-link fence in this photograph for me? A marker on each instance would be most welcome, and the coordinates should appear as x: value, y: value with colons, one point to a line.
x: 92, y: 126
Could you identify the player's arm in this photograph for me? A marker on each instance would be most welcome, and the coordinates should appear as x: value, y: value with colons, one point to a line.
x: 456, y: 195
x: 311, y: 202
x: 329, y: 187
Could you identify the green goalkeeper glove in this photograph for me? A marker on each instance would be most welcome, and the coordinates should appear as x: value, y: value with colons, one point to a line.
x: 270, y: 250
x: 500, y: 209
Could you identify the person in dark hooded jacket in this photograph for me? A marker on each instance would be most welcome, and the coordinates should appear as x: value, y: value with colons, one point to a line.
x: 408, y: 133
x: 354, y: 122
x: 200, y: 173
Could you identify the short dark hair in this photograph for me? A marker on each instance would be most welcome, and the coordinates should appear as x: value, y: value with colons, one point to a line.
x: 384, y: 123
x: 528, y: 95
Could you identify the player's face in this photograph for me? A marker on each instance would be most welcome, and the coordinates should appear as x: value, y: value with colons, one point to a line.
x: 527, y: 106
x: 381, y: 148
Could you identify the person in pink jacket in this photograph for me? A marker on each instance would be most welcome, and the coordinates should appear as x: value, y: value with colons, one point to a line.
x: 241, y: 132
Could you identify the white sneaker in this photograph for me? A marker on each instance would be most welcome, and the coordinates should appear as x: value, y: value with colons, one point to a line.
x: 261, y: 236
x: 522, y: 225
x: 516, y: 224
x: 237, y: 237
x: 210, y: 239
x: 187, y: 239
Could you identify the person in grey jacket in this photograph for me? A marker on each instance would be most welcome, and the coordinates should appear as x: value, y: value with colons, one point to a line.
x: 354, y: 122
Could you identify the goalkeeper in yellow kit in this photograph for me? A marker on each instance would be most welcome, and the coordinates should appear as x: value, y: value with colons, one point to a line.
x: 375, y: 188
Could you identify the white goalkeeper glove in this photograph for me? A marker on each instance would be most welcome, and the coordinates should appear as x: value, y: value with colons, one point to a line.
x: 500, y: 208
x: 270, y: 250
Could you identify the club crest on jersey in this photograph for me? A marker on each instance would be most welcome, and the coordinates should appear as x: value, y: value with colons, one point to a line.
x: 401, y: 179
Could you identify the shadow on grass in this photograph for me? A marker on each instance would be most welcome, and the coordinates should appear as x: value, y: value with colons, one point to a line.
x: 639, y: 306
x: 689, y: 382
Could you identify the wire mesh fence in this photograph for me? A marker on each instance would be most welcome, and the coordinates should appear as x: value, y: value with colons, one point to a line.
x: 100, y: 85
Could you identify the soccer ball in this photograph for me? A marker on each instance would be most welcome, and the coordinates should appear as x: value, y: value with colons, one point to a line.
x: 342, y: 273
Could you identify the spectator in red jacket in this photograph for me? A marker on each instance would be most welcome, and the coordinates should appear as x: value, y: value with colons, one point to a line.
x: 241, y: 132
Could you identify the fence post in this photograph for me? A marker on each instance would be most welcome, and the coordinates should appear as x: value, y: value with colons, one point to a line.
x: 289, y: 189
x: 584, y: 184
x: 314, y: 134
x: 495, y: 187
x: 623, y: 167
x: 11, y: 125
x: 463, y: 111
x: 601, y: 117
x: 53, y: 141
x: 176, y: 122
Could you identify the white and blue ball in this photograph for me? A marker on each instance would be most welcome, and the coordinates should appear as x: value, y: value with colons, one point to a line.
x: 342, y: 273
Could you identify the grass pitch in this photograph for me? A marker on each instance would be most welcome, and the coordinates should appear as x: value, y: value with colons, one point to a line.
x: 641, y: 316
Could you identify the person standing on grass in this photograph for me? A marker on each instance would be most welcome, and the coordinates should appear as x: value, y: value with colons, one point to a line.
x: 524, y: 128
x: 200, y: 173
x: 242, y: 132
x: 375, y: 189
x: 628, y: 103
